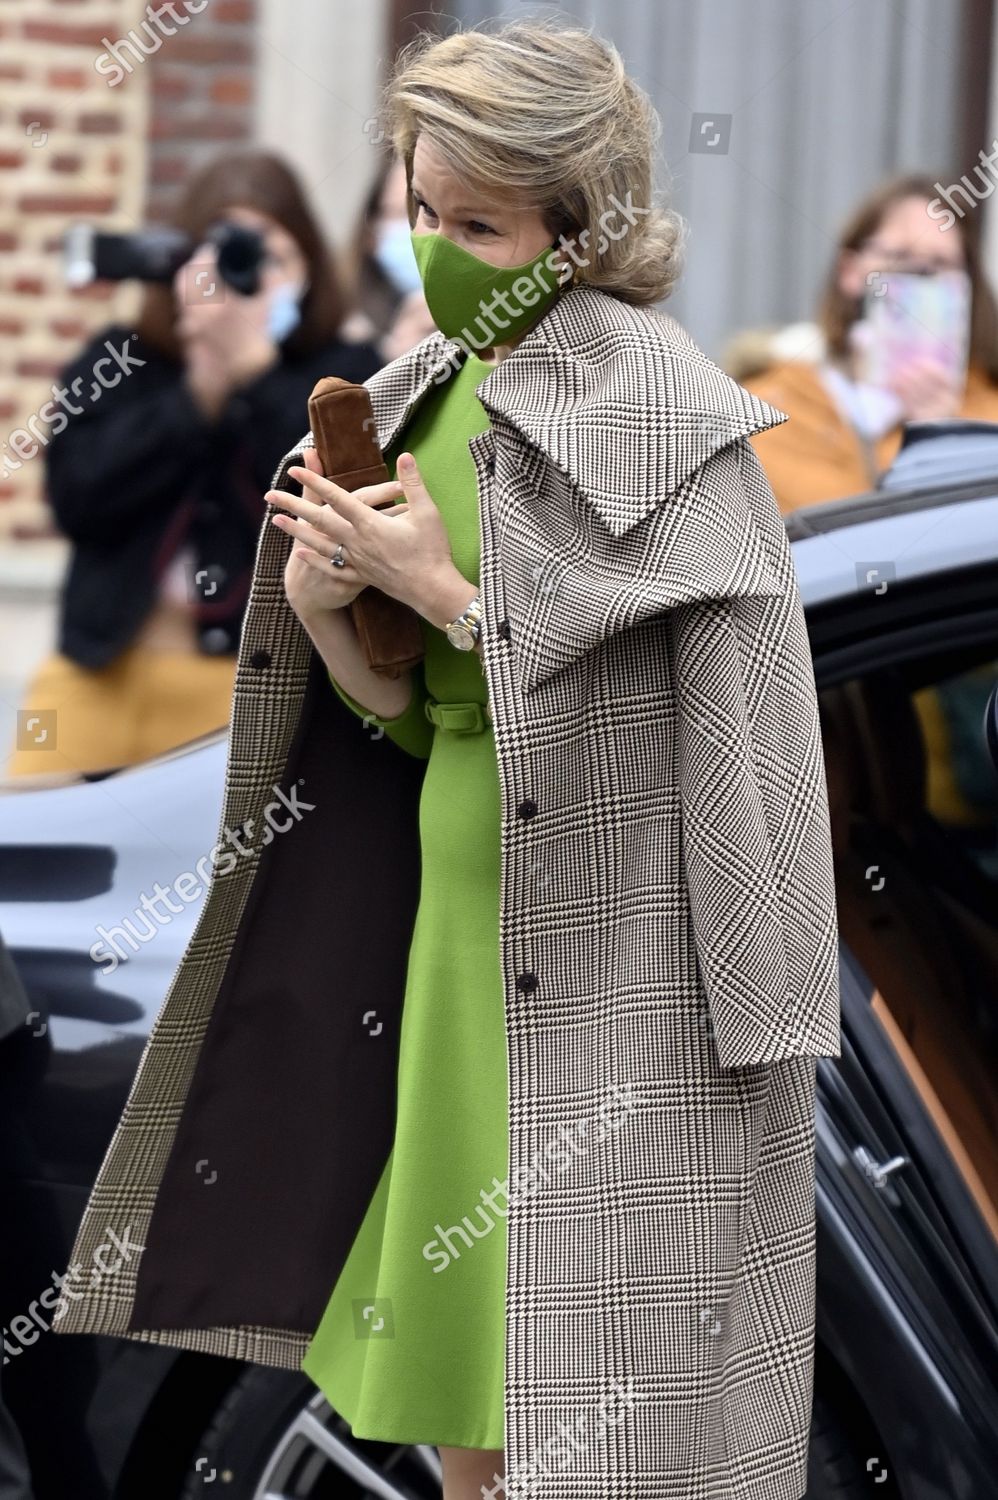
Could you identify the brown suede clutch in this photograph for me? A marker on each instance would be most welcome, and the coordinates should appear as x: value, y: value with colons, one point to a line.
x: 346, y: 440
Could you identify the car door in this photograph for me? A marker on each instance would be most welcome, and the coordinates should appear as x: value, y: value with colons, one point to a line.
x: 908, y: 1153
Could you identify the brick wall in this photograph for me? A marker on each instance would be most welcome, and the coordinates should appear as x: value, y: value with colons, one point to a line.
x: 202, y: 89
x: 100, y: 133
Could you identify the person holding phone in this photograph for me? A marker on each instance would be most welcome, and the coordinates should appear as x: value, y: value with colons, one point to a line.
x: 909, y: 329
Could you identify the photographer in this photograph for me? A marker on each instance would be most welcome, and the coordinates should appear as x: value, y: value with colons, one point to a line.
x: 157, y: 473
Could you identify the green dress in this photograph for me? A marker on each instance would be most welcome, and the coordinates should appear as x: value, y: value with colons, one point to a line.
x: 410, y: 1348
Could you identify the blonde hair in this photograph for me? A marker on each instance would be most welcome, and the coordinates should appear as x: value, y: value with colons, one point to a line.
x: 545, y: 115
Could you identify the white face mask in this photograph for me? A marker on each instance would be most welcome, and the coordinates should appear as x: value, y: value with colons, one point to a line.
x: 284, y: 309
x: 393, y: 252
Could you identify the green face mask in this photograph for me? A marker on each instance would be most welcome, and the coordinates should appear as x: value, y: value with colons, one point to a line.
x: 480, y: 304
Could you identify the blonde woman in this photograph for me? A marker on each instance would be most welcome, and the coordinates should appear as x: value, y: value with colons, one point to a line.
x: 534, y: 986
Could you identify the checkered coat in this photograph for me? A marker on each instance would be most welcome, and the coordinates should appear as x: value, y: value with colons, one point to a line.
x: 667, y: 934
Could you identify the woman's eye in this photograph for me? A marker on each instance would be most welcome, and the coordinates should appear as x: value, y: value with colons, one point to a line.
x: 424, y: 208
x: 477, y: 227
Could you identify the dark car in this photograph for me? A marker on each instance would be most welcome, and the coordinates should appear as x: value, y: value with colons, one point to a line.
x: 901, y: 590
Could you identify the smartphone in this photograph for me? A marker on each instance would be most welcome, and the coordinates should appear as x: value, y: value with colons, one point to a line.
x: 912, y: 317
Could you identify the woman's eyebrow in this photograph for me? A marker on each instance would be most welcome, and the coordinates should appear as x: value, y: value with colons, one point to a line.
x: 473, y: 213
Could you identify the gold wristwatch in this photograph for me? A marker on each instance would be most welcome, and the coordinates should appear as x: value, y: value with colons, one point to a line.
x: 464, y: 630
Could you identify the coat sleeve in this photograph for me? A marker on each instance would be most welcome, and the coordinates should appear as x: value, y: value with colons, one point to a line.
x: 411, y: 729
x: 754, y: 806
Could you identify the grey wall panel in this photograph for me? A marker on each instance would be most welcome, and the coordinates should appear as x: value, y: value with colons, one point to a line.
x: 825, y: 98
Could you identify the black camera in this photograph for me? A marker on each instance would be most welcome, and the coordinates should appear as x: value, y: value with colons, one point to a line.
x: 157, y: 254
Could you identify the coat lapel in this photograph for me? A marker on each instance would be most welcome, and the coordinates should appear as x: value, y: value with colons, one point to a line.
x: 576, y: 388
x: 627, y: 410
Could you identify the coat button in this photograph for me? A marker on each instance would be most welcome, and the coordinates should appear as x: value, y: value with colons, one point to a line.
x: 528, y: 808
x: 526, y: 982
x: 490, y: 464
x: 503, y: 629
x: 260, y: 658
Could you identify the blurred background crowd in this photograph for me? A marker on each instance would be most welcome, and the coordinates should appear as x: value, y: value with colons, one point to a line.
x: 832, y: 162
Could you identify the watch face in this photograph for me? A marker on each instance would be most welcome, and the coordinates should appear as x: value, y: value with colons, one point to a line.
x: 461, y: 636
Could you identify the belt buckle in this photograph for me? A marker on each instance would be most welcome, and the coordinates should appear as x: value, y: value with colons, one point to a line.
x: 459, y: 718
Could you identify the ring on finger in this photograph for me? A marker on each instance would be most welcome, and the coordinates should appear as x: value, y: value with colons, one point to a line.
x: 337, y: 559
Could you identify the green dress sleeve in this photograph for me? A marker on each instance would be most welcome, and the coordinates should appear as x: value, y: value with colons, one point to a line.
x: 411, y: 730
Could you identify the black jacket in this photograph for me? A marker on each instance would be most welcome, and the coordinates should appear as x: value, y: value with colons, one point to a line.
x: 134, y: 467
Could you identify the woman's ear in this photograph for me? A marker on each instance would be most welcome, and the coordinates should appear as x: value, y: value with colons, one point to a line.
x: 564, y: 260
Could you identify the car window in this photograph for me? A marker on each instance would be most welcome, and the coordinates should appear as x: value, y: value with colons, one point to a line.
x: 962, y: 781
x: 913, y: 799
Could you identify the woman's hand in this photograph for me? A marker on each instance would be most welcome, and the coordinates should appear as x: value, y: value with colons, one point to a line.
x: 926, y: 390
x: 311, y: 582
x: 404, y: 550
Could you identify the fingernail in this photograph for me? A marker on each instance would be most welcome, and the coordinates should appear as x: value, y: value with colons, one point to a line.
x: 406, y: 463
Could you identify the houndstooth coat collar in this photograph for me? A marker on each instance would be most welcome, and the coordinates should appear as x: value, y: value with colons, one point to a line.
x: 625, y: 405
x: 667, y: 944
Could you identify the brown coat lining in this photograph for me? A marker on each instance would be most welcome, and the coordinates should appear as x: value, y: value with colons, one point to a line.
x: 298, y: 1153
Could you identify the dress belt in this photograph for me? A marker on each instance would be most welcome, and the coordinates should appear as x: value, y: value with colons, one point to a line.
x: 461, y: 718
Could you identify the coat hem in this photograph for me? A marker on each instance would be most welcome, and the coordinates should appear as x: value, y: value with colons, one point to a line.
x: 259, y: 1346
